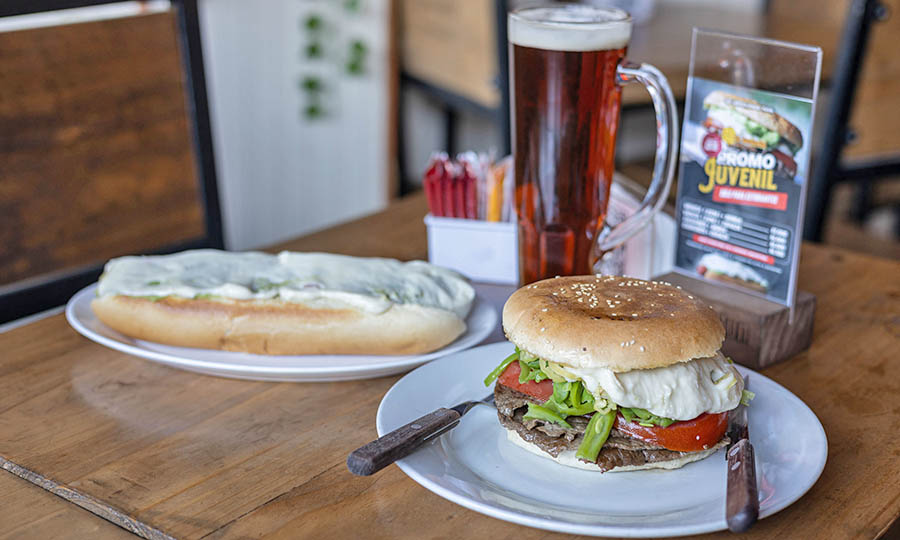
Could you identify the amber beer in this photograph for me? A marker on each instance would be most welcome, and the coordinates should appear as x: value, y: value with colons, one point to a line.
x: 566, y: 114
x: 565, y: 111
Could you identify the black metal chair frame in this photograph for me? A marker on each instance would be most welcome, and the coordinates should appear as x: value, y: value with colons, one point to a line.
x: 44, y: 292
x: 829, y: 169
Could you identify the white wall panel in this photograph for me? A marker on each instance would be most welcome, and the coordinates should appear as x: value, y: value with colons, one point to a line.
x: 280, y: 173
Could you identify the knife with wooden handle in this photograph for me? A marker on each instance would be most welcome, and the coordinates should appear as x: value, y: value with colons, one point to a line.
x: 741, y: 497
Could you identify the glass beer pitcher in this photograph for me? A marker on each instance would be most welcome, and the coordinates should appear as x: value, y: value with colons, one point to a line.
x: 567, y: 67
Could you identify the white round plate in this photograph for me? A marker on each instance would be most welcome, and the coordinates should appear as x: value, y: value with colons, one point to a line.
x: 475, y: 466
x: 480, y: 323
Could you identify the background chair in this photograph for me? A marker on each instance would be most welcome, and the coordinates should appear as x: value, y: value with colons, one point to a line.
x: 105, y: 146
x: 830, y: 168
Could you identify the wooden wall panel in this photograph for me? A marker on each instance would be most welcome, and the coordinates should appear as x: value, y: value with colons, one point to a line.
x: 452, y: 44
x: 96, y: 158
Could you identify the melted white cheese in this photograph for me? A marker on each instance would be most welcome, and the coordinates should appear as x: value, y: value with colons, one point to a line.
x: 322, y: 280
x: 681, y: 391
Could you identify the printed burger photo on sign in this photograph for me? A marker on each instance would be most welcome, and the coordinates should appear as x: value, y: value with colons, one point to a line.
x: 764, y: 141
x: 744, y: 156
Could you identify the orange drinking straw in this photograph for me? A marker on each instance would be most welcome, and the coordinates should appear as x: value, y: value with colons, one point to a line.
x: 495, y: 193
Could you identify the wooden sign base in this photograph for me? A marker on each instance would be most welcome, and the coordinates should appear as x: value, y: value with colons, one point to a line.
x: 758, y: 333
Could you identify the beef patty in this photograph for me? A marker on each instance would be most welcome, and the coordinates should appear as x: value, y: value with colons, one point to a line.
x: 619, y: 450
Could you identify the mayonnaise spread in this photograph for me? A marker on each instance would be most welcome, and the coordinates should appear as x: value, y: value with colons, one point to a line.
x: 323, y: 280
x: 681, y: 391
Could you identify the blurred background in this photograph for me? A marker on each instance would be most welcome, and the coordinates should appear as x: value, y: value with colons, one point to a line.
x: 150, y: 126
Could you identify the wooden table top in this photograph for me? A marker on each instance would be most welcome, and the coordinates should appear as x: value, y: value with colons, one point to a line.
x: 167, y: 452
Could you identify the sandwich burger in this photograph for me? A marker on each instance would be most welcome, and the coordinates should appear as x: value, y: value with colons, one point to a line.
x: 614, y: 374
x: 753, y: 127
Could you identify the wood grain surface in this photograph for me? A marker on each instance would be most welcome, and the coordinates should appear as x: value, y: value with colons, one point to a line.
x: 195, y: 456
x: 96, y: 151
x: 31, y: 512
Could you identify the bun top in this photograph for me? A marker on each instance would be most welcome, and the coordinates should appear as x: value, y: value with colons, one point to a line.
x: 613, y: 322
x: 769, y: 120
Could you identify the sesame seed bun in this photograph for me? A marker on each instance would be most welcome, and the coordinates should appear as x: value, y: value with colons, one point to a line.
x: 614, y: 322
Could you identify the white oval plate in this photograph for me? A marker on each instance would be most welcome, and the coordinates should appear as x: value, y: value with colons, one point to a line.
x: 475, y: 466
x: 479, y: 324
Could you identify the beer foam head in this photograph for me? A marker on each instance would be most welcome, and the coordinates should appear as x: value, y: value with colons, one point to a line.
x: 570, y: 27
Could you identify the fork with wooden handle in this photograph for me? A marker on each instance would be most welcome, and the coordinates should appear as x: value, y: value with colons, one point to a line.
x: 403, y: 441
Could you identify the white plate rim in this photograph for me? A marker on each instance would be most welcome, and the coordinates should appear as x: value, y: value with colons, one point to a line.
x: 384, y: 366
x: 596, y: 530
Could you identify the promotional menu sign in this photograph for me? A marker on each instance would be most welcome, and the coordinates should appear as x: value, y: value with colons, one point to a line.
x: 744, y: 164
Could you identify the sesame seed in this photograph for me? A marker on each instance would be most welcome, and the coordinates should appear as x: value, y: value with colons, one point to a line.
x: 545, y: 309
x: 642, y: 348
x: 672, y: 314
x: 634, y: 314
x: 542, y: 329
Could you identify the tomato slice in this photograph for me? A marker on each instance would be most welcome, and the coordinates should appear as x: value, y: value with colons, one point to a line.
x: 684, y: 436
x: 510, y: 377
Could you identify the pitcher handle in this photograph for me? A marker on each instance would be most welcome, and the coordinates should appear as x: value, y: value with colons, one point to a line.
x: 611, y: 237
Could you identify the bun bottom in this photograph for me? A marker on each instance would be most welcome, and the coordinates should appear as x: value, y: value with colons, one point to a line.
x: 279, y: 328
x: 567, y: 457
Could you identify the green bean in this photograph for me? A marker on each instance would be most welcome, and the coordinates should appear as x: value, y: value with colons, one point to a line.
x: 537, y: 412
x: 595, y: 436
x: 492, y: 376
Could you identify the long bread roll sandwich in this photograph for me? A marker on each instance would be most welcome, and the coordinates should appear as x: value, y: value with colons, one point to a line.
x: 290, y: 303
